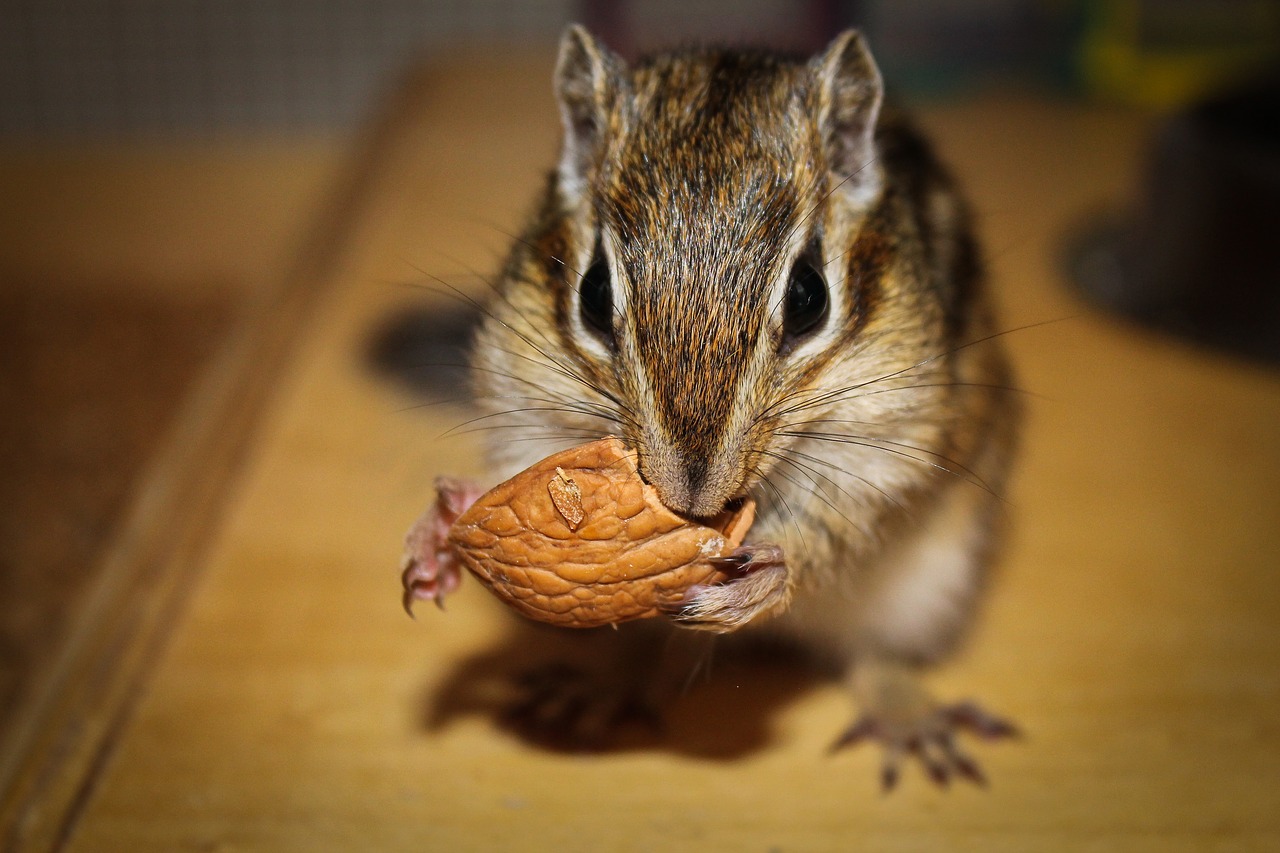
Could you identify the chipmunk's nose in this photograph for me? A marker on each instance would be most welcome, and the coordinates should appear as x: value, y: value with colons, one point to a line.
x: 686, y: 483
x: 672, y: 486
x: 703, y: 499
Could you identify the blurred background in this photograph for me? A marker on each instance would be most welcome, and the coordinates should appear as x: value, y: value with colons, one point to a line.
x: 79, y: 69
x: 165, y: 164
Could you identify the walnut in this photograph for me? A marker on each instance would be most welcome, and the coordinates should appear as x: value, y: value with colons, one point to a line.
x: 580, y: 540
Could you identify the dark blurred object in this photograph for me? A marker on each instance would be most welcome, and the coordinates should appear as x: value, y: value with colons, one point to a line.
x: 932, y: 48
x: 1169, y: 53
x: 424, y: 350
x: 1200, y: 256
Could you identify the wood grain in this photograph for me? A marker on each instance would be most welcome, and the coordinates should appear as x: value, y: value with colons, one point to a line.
x: 1133, y: 630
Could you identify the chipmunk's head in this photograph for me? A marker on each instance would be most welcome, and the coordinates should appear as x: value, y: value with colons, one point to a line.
x: 710, y: 202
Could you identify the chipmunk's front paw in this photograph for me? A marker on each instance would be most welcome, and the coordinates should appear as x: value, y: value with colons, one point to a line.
x: 757, y: 587
x: 908, y: 722
x: 430, y: 568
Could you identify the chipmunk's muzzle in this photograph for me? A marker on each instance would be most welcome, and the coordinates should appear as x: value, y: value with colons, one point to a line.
x: 691, y: 481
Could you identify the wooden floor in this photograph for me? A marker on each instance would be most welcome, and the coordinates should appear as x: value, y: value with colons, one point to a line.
x: 126, y: 272
x: 91, y: 382
x: 276, y: 698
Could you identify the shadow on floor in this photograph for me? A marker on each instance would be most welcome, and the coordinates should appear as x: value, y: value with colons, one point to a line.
x: 580, y: 691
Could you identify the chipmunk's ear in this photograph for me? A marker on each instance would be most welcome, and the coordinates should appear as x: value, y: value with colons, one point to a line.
x: 588, y: 81
x: 849, y: 92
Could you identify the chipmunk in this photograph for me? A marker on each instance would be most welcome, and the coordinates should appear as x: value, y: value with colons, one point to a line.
x: 762, y: 279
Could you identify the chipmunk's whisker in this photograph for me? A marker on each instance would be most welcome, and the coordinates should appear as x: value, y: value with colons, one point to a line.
x: 818, y: 486
x: 958, y: 471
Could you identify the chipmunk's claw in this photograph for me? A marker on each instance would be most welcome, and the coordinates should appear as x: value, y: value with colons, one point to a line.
x: 423, y: 582
x: 748, y: 558
x: 971, y: 716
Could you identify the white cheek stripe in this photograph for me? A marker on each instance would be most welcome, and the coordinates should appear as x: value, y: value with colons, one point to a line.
x: 618, y: 287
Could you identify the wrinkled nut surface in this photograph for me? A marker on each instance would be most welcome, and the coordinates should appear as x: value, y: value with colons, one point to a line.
x: 580, y: 540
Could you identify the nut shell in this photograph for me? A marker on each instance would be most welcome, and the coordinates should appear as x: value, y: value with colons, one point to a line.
x: 580, y: 540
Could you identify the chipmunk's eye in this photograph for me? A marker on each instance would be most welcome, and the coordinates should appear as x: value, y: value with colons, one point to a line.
x: 805, y: 305
x: 595, y: 298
